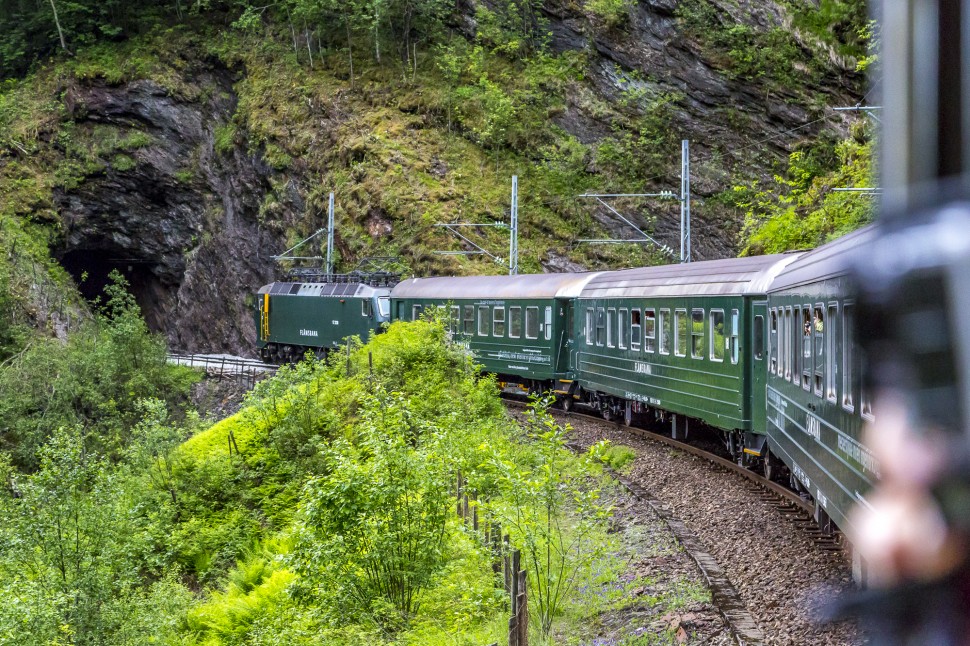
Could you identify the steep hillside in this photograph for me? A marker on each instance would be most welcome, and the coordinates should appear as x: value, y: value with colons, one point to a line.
x: 188, y: 151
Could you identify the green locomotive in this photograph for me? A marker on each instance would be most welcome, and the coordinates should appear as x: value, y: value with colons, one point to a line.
x: 315, y: 312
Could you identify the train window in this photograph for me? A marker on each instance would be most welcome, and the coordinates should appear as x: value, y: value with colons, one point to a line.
x: 786, y: 341
x: 831, y: 393
x: 498, y: 321
x: 795, y: 350
x: 532, y: 322
x: 589, y: 326
x: 818, y: 333
x: 806, y: 349
x: 759, y: 337
x: 469, y: 320
x: 663, y: 324
x: 416, y: 312
x: 865, y: 403
x: 484, y: 314
x: 847, y: 357
x: 697, y: 334
x: 384, y: 306
x: 623, y: 332
x: 649, y: 331
x: 600, y: 326
x: 716, y: 341
x: 781, y: 341
x: 366, y: 307
x: 454, y: 319
x: 610, y: 328
x: 735, y: 335
x: 680, y: 333
x: 515, y: 322
x: 773, y: 343
x: 636, y: 329
x: 548, y: 330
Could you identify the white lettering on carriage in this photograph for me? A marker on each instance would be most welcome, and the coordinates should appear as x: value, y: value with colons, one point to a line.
x: 813, y: 427
x: 308, y: 333
x: 642, y: 368
x: 859, y: 454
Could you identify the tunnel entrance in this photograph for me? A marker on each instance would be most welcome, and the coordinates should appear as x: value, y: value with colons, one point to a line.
x: 90, y: 269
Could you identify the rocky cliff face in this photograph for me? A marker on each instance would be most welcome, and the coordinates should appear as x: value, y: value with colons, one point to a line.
x: 177, y: 218
x: 737, y: 127
x: 184, y: 213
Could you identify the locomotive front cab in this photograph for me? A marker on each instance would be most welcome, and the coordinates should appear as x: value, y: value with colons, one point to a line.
x: 317, y: 314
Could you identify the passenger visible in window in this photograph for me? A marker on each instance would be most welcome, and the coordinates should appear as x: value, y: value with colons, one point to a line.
x: 819, y: 326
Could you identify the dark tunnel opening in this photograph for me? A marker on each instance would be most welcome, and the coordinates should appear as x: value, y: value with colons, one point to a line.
x: 91, y: 268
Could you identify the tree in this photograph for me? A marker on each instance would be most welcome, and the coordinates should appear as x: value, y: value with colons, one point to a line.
x: 62, y: 525
x: 371, y: 532
x: 60, y: 31
x: 552, y: 511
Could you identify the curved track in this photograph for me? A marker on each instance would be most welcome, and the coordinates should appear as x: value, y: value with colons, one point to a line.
x: 768, y: 565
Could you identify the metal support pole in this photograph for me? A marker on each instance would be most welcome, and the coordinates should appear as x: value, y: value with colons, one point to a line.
x: 514, y: 235
x: 330, y: 237
x: 684, y: 201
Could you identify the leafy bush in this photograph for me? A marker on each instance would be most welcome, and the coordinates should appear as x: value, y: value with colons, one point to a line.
x: 553, y: 513
x: 95, y: 380
x: 373, y: 529
x: 617, y: 456
x: 799, y: 210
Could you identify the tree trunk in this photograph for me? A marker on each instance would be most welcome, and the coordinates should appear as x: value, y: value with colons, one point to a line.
x: 60, y: 32
x: 309, y: 48
x: 350, y: 53
x: 289, y: 19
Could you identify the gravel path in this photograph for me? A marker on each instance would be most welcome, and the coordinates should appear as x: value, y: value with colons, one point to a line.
x: 781, y: 576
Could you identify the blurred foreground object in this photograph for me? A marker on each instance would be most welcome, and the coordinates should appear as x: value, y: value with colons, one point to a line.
x: 914, y: 327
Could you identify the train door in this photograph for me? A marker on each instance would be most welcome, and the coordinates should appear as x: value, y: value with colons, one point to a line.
x: 562, y: 343
x: 756, y: 360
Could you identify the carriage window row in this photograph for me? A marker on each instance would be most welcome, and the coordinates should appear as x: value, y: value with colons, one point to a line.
x: 804, y: 346
x: 497, y: 321
x: 702, y: 333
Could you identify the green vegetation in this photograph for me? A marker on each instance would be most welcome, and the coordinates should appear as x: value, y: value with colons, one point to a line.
x: 782, y: 55
x: 322, y: 511
x: 411, y: 123
x: 94, y: 382
x: 799, y: 210
x: 618, y: 457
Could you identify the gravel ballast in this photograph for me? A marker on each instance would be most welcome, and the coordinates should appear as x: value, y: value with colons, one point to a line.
x: 781, y: 576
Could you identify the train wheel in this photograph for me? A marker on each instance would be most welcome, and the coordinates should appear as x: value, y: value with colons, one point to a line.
x: 567, y: 403
x: 606, y: 411
x: 770, y: 466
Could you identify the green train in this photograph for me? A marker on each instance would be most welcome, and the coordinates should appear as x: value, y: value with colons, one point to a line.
x: 757, y: 348
x: 316, y: 312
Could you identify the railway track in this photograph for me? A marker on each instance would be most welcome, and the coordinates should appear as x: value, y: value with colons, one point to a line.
x: 224, y: 366
x: 755, y: 541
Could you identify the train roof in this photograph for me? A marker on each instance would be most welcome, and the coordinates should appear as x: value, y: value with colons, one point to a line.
x: 337, y: 290
x: 828, y: 261
x: 729, y: 277
x: 494, y: 287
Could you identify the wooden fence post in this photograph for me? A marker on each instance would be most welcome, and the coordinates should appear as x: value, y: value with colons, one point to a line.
x: 475, y: 512
x: 458, y: 488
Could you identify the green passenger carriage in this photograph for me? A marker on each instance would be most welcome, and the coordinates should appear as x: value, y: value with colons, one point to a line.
x: 816, y: 405
x: 683, y: 339
x: 516, y: 326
